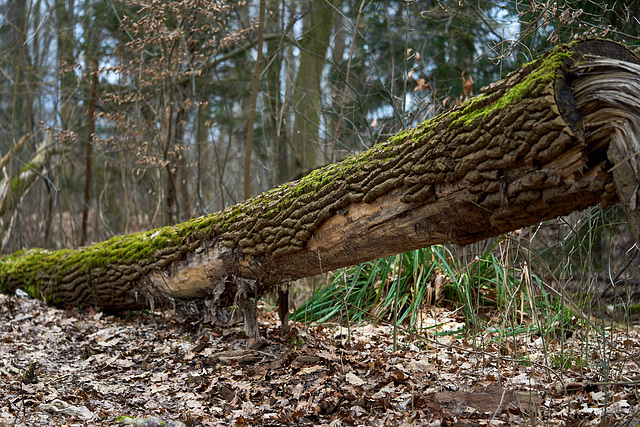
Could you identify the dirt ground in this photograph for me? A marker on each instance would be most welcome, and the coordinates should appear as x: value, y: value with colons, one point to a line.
x: 80, y: 368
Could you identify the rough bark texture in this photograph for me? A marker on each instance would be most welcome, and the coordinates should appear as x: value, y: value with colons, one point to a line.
x: 524, y: 151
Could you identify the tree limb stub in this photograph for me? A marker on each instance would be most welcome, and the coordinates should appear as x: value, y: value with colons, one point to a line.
x: 558, y: 135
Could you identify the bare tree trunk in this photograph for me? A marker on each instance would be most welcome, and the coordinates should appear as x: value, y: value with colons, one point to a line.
x: 181, y: 175
x: 273, y: 98
x: 248, y: 148
x: 531, y: 147
x: 318, y: 23
x: 64, y: 26
x: 88, y: 159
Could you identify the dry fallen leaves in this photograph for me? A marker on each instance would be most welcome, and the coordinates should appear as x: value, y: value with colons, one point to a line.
x: 92, y: 368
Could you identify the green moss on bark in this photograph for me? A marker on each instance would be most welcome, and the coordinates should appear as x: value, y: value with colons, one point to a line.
x: 35, y: 265
x: 544, y: 74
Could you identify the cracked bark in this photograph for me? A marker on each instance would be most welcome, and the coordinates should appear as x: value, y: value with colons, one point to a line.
x: 558, y: 135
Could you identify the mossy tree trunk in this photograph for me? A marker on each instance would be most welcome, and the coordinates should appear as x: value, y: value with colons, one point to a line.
x: 553, y: 137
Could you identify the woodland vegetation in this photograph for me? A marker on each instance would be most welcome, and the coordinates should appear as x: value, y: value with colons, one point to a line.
x: 119, y: 117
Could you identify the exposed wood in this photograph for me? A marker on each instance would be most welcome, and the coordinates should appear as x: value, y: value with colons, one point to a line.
x: 531, y: 147
x: 608, y: 97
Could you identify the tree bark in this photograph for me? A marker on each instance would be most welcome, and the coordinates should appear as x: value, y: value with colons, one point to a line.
x: 274, y: 99
x: 531, y: 147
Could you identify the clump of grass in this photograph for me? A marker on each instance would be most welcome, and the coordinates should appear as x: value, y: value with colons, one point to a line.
x: 368, y: 291
x: 494, y: 287
x: 397, y: 289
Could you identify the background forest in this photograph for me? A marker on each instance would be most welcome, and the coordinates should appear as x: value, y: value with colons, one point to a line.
x: 128, y: 115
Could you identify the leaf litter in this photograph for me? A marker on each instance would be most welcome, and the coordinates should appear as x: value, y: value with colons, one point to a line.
x: 81, y: 368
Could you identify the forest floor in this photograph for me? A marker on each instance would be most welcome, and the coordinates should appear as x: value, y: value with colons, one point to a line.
x: 83, y: 368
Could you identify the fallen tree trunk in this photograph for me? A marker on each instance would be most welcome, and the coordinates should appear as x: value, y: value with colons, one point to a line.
x: 531, y: 147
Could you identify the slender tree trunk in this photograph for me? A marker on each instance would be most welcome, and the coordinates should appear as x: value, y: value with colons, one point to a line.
x: 88, y: 158
x: 170, y: 211
x: 318, y: 23
x: 183, y: 209
x: 18, y: 65
x: 17, y: 37
x: 556, y: 136
x: 201, y: 154
x: 64, y: 26
x: 248, y: 148
x: 274, y: 99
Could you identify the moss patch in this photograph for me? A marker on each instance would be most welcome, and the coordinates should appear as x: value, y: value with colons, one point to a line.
x: 17, y: 184
x: 544, y: 74
x: 27, y: 167
x: 35, y: 265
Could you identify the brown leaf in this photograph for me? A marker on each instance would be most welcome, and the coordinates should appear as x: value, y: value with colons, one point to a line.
x: 467, y: 85
x: 421, y: 85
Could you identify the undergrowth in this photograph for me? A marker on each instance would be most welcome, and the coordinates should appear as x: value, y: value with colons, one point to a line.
x: 550, y: 281
x: 399, y: 288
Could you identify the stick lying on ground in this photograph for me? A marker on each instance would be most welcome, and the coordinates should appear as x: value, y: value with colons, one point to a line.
x: 558, y: 135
